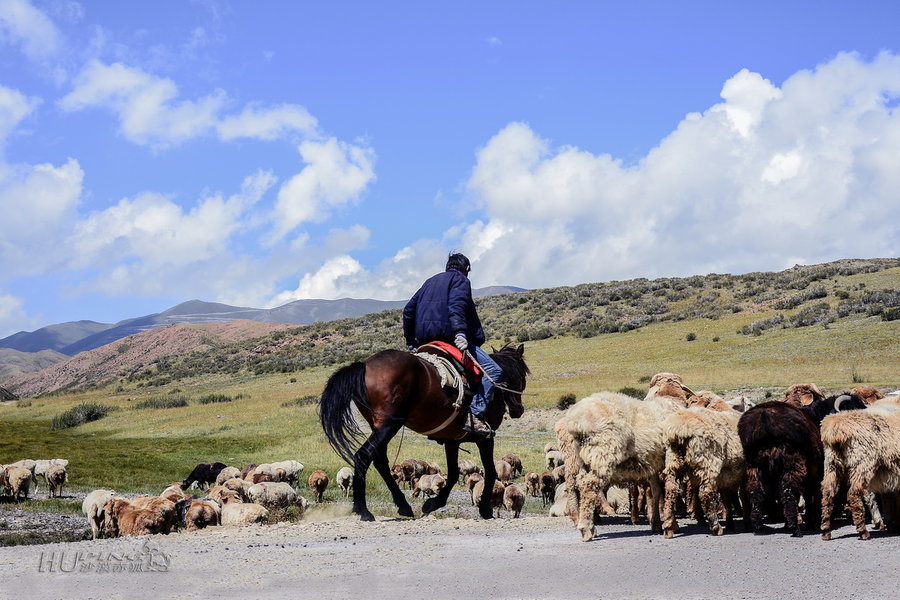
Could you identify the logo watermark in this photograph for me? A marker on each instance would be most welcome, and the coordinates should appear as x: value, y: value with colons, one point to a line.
x: 148, y: 559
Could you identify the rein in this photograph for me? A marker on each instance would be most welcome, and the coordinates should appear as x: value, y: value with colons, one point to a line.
x: 400, y: 445
x: 497, y: 385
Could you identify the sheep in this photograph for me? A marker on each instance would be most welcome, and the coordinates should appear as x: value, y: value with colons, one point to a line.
x: 247, y: 471
x: 238, y: 485
x: 237, y: 513
x: 268, y: 472
x: 504, y: 470
x: 27, y: 463
x: 203, y: 474
x: 344, y: 479
x: 276, y: 495
x: 200, y: 513
x: 533, y: 483
x: 513, y: 500
x: 466, y: 468
x: 226, y: 474
x: 318, y: 481
x: 610, y: 438
x: 548, y: 488
x: 554, y: 459
x: 41, y: 466
x: 429, y: 485
x: 140, y: 517
x: 802, y: 394
x: 669, y: 386
x: 173, y: 493
x: 515, y: 462
x: 411, y: 470
x: 559, y: 504
x: 559, y: 474
x: 93, y: 508
x: 16, y: 481
x: 56, y: 477
x: 869, y: 394
x: 471, y: 481
x: 290, y: 469
x: 862, y: 448
x: 496, y: 496
x: 550, y: 446
x: 702, y: 446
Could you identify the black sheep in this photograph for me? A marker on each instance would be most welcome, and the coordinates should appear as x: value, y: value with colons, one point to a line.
x: 203, y: 473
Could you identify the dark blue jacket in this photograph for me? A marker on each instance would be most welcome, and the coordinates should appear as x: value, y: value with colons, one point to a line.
x: 441, y: 308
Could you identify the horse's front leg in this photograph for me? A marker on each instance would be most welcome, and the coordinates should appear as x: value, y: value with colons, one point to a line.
x: 381, y: 464
x: 486, y: 451
x: 451, y: 450
x: 373, y: 447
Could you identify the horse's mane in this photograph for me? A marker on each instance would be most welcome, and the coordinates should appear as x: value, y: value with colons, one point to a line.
x: 512, y: 361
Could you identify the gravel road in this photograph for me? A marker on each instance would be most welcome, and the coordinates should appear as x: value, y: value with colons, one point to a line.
x: 458, y: 557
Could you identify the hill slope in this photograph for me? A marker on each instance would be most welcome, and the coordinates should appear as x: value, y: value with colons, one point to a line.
x: 14, y: 362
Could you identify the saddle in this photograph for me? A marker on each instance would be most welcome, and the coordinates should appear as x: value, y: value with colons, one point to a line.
x: 459, y: 374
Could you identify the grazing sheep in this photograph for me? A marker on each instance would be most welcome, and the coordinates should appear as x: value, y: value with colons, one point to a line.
x: 267, y: 472
x: 411, y: 469
x: 619, y: 499
x: 344, y: 480
x: 200, y: 513
x: 554, y: 459
x: 533, y: 484
x: 290, y: 471
x: 247, y: 471
x: 496, y: 496
x: 467, y: 467
x: 237, y: 513
x: 707, y: 399
x: 608, y: 439
x: 276, y: 495
x: 41, y: 466
x: 238, y: 485
x: 173, y: 493
x: 862, y: 449
x: 318, y: 481
x: 471, y: 481
x: 93, y: 508
x: 514, y: 500
x: 16, y: 481
x: 548, y: 488
x: 869, y: 394
x: 703, y: 447
x: 802, y: 394
x: 740, y: 403
x: 429, y: 485
x: 203, y: 474
x: 504, y: 470
x: 141, y: 517
x: 515, y: 462
x: 216, y: 492
x: 262, y: 477
x: 56, y: 477
x: 226, y: 474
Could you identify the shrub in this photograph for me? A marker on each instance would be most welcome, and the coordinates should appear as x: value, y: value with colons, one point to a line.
x: 176, y: 402
x: 304, y: 401
x: 565, y: 401
x: 633, y: 392
x: 691, y: 336
x: 716, y: 339
x: 83, y: 413
x: 214, y: 398
x: 645, y: 379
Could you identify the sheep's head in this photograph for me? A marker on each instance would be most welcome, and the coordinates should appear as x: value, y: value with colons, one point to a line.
x: 710, y: 400
x: 868, y: 393
x: 227, y: 496
x: 802, y: 394
x: 669, y: 385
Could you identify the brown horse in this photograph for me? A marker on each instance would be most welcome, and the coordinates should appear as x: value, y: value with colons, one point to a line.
x: 392, y: 389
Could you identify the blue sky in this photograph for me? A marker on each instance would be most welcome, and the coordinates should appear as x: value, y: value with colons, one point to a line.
x: 257, y: 153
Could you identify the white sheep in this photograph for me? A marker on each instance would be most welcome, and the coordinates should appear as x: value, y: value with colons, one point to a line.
x: 276, y: 495
x: 16, y: 481
x: 92, y: 507
x: 290, y: 470
x: 56, y: 477
x: 226, y: 474
x: 241, y: 486
x: 344, y: 479
x: 41, y: 466
x: 429, y: 485
x: 237, y: 513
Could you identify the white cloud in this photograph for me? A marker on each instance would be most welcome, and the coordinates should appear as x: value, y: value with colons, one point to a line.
x: 24, y: 25
x: 14, y: 106
x: 335, y: 174
x: 12, y: 316
x: 267, y: 123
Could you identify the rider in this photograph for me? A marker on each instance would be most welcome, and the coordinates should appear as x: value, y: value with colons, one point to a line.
x: 443, y: 309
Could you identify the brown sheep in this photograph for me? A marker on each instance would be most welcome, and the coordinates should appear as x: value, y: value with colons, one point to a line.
x: 201, y: 514
x: 559, y: 474
x: 671, y: 386
x: 533, y: 484
x: 514, y: 500
x: 802, y: 394
x: 471, y: 481
x: 318, y: 481
x: 56, y: 477
x: 235, y: 512
x: 504, y: 471
x: 152, y: 515
x: 869, y: 394
x: 496, y: 497
x: 173, y: 493
x: 515, y: 462
x: 16, y: 480
x: 247, y: 471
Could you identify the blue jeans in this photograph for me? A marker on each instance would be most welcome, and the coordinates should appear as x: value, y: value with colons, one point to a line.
x: 486, y: 388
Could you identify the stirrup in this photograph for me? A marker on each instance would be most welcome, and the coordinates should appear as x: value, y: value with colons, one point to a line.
x: 478, y: 427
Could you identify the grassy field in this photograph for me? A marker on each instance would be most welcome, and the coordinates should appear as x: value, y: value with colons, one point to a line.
x: 142, y: 450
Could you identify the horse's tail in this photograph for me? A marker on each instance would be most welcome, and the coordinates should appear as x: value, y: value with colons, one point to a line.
x: 336, y: 409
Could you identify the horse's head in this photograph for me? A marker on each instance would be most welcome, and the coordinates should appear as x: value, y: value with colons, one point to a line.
x: 515, y: 371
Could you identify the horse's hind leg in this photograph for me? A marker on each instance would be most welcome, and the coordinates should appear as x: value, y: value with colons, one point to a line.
x: 372, y: 448
x: 381, y: 464
x: 451, y: 450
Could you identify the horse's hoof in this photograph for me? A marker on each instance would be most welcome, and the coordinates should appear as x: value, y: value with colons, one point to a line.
x: 763, y: 530
x: 405, y: 511
x: 429, y: 506
x: 797, y: 533
x: 486, y: 515
x: 366, y: 516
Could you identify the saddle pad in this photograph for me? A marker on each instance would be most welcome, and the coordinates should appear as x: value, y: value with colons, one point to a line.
x: 453, y: 352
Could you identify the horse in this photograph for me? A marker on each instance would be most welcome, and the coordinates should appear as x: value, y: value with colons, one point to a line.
x: 393, y: 388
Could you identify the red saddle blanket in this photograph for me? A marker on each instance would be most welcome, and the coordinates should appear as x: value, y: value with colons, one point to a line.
x: 472, y: 368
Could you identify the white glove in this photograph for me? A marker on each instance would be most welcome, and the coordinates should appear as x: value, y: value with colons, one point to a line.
x: 461, y: 342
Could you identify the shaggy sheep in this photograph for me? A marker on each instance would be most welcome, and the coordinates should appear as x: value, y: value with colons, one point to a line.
x: 862, y: 449
x: 318, y: 481
x: 41, y: 466
x: 496, y: 496
x: 550, y: 446
x: 669, y: 386
x: 142, y: 516
x: 514, y: 500
x: 93, y: 508
x: 802, y: 394
x: 554, y: 459
x: 344, y: 480
x: 290, y: 471
x: 411, y: 469
x: 471, y: 481
x: 268, y: 472
x: 200, y: 513
x: 467, y: 467
x: 869, y: 394
x: 276, y: 495
x: 559, y: 504
x: 56, y: 477
x: 16, y: 481
x: 216, y: 492
x: 504, y: 470
x: 173, y: 493
x: 226, y: 474
x: 559, y: 474
x: 703, y: 447
x: 238, y: 485
x: 515, y: 462
x: 247, y: 471
x: 429, y: 485
x: 613, y: 439
x: 237, y: 513
x: 533, y: 484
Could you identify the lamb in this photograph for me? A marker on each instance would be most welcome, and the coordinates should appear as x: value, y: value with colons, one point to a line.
x: 16, y: 481
x: 533, y: 483
x: 429, y: 485
x: 504, y: 470
x: 56, y: 477
x: 466, y: 468
x: 471, y: 481
x: 344, y: 479
x: 610, y: 438
x: 862, y: 448
x: 203, y: 474
x: 559, y: 504
x: 548, y: 488
x: 318, y: 481
x: 152, y: 515
x: 226, y: 474
x: 496, y: 496
x: 515, y: 462
x: 290, y: 471
x: 514, y: 500
x: 238, y: 514
x: 93, y: 508
x: 276, y: 495
x: 703, y: 447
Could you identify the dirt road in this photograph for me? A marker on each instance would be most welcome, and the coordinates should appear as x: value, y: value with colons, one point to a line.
x: 451, y: 557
